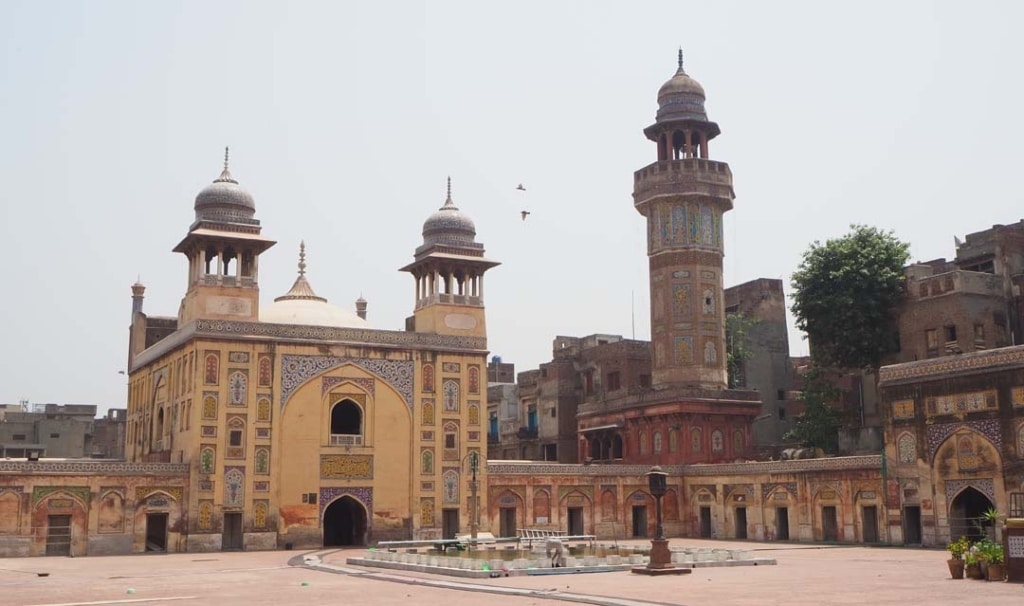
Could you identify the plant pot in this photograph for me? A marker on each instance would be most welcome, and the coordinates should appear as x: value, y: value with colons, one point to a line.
x: 956, y: 568
x: 995, y: 572
x: 973, y: 571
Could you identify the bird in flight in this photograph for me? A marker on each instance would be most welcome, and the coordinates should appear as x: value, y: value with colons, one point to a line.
x: 520, y: 187
x: 524, y: 213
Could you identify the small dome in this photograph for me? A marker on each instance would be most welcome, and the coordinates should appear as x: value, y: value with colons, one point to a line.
x: 681, y: 98
x: 300, y: 305
x: 224, y: 199
x: 448, y: 225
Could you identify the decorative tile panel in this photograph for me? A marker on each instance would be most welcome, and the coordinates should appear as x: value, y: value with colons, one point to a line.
x: 296, y: 370
x: 142, y: 492
x: 81, y: 493
x: 768, y: 487
x: 238, y: 357
x: 962, y: 402
x: 349, y: 467
x: 983, y: 485
x: 363, y: 495
x: 903, y: 409
x: 366, y: 383
x: 937, y: 434
x: 1017, y: 394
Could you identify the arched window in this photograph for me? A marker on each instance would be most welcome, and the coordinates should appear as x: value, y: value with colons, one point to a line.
x: 673, y: 440
x: 643, y: 443
x: 346, y: 419
x: 717, y: 443
x: 739, y: 445
x: 657, y: 442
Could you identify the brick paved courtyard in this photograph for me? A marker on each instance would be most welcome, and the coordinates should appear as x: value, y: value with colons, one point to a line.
x: 804, y: 575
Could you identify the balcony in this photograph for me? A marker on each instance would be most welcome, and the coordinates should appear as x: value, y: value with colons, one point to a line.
x: 344, y: 439
x: 527, y: 433
x: 493, y: 438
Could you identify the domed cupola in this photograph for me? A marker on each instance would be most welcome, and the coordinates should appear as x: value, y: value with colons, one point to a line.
x: 449, y: 226
x: 225, y: 200
x: 681, y: 98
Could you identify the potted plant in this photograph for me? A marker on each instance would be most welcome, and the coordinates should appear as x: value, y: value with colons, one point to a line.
x: 990, y: 518
x: 972, y: 563
x: 957, y: 549
x: 993, y: 554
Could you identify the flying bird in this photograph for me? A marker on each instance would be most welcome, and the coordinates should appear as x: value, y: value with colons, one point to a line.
x: 524, y: 214
x: 520, y: 187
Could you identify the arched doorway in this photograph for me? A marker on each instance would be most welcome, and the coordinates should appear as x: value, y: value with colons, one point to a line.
x: 345, y: 523
x: 965, y: 514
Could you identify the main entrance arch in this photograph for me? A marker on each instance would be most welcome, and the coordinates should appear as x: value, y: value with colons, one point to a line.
x: 345, y: 523
x: 965, y: 514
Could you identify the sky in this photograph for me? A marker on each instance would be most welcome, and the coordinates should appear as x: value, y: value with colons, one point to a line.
x: 345, y: 119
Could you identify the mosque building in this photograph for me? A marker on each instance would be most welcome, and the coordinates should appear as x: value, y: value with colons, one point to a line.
x: 300, y: 411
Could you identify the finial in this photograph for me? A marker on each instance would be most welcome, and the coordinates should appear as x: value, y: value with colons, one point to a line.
x: 680, y: 58
x: 226, y: 147
x: 302, y: 258
x: 449, y: 187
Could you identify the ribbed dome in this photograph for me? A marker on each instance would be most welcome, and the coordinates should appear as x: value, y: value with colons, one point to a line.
x: 448, y: 225
x: 300, y: 305
x: 681, y: 98
x: 224, y: 199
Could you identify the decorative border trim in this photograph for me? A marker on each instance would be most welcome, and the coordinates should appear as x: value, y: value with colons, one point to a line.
x: 866, y: 462
x: 234, y: 329
x: 974, y: 361
x: 94, y: 468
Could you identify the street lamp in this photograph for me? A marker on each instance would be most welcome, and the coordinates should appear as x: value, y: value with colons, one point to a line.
x: 474, y: 464
x: 657, y: 482
x: 661, y: 558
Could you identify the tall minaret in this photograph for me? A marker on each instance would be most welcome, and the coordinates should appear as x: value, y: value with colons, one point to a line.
x: 684, y: 196
x: 449, y: 269
x: 223, y: 246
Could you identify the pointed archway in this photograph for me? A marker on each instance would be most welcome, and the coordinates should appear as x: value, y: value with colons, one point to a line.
x: 965, y: 514
x: 345, y: 523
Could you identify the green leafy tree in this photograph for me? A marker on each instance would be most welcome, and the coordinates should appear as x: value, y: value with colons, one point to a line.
x: 818, y: 426
x: 845, y: 295
x: 737, y: 347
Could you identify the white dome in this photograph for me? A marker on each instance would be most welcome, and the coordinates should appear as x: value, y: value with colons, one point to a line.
x: 310, y: 312
x: 301, y: 305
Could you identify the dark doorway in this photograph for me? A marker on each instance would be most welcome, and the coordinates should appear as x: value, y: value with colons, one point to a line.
x: 231, y: 539
x: 782, y: 523
x: 869, y: 518
x: 58, y: 535
x: 575, y: 515
x: 639, y: 521
x: 507, y: 520
x: 965, y: 514
x: 449, y: 523
x: 829, y: 523
x: 705, y: 522
x: 912, y: 525
x: 156, y: 532
x: 344, y: 523
x: 741, y: 522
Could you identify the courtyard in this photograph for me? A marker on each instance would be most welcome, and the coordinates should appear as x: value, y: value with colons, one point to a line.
x: 805, y: 574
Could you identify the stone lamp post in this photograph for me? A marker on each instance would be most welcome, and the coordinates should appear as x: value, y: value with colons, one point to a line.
x: 661, y: 558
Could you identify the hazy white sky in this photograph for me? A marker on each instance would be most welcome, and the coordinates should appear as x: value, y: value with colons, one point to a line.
x: 344, y: 119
